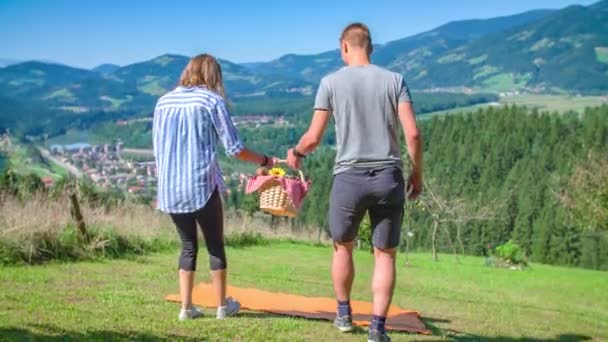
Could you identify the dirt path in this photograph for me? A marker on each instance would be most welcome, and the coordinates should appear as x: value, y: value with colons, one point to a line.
x: 140, y: 151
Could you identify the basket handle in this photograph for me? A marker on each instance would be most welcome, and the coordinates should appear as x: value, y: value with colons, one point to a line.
x: 284, y: 162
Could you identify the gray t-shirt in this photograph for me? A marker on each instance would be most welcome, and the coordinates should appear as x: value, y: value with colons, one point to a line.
x: 364, y: 102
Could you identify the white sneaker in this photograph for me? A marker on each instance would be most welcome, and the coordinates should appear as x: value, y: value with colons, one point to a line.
x: 231, y: 308
x: 191, y: 313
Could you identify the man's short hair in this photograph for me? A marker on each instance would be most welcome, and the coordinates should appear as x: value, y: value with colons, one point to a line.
x: 357, y: 35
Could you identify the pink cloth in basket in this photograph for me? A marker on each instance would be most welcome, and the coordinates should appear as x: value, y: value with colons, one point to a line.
x: 295, y: 188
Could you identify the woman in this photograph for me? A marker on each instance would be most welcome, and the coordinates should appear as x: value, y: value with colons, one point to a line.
x: 189, y: 122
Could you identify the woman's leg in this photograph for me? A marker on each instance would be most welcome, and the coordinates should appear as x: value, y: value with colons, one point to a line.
x: 211, y: 220
x: 186, y: 228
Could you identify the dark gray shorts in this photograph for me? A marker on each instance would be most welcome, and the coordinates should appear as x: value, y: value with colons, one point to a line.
x: 380, y: 191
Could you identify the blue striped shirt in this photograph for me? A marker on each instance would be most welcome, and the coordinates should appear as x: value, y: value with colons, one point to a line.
x: 189, y: 122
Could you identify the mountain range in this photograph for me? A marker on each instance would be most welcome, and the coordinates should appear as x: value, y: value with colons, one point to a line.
x: 543, y: 50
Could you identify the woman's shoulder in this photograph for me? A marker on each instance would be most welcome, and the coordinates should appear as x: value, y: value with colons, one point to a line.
x: 204, y: 92
x: 190, y: 96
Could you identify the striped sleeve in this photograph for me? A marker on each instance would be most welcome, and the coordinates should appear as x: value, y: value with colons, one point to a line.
x: 156, y: 132
x: 225, y: 129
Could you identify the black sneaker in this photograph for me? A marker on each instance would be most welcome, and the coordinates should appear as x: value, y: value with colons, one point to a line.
x: 376, y: 336
x: 344, y: 323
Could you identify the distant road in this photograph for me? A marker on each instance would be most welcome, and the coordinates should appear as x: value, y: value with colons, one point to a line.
x: 139, y: 151
x: 139, y: 120
x: 71, y: 168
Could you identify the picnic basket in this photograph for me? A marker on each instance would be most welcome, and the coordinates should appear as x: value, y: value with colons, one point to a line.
x: 275, y: 200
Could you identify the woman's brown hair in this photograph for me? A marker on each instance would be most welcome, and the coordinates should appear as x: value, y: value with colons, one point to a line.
x: 203, y: 70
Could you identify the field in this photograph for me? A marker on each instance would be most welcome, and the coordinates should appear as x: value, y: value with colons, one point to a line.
x: 24, y: 162
x: 601, y: 54
x: 123, y: 299
x: 558, y: 103
x: 551, y: 103
x: 71, y: 137
x: 459, y: 110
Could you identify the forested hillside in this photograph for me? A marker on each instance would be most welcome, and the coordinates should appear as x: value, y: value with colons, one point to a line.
x: 507, y: 168
x: 403, y: 54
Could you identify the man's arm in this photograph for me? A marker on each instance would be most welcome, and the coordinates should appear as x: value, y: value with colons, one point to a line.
x: 413, y: 138
x: 311, y: 139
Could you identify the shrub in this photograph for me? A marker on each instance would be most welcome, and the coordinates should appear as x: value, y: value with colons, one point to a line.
x: 245, y: 240
x: 510, y: 254
x: 365, y: 233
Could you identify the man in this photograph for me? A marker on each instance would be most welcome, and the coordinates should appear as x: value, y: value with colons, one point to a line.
x: 367, y: 102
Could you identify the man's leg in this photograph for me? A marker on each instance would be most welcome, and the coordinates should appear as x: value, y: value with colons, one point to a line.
x: 383, y: 282
x: 386, y: 218
x: 346, y: 211
x: 343, y: 270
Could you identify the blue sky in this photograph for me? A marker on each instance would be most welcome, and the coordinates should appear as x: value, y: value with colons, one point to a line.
x: 86, y: 33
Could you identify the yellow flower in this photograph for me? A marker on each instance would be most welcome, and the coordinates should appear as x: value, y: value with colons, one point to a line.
x: 277, y: 172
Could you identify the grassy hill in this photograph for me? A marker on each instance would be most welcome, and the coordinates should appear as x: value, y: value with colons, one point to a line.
x: 62, y: 87
x: 467, y: 301
x: 157, y: 76
x: 134, y: 87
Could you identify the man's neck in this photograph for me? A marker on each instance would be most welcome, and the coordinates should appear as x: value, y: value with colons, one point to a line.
x: 359, y: 61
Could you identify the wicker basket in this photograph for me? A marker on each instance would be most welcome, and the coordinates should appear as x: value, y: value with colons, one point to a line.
x: 275, y: 201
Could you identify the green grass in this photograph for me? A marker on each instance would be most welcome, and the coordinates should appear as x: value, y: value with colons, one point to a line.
x: 22, y: 163
x: 164, y: 60
x: 3, y: 161
x: 152, y: 88
x: 451, y: 58
x: 552, y: 103
x: 601, y: 54
x: 72, y: 136
x: 459, y: 110
x: 63, y: 93
x: 123, y: 299
x: 505, y: 81
x: 544, y: 43
x: 478, y: 60
x: 58, y: 169
x: 75, y: 109
x: 26, y: 82
x: 484, y: 71
x: 116, y: 103
x: 558, y: 103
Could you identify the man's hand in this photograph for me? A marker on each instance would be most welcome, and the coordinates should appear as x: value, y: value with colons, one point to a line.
x: 414, y: 186
x: 293, y: 161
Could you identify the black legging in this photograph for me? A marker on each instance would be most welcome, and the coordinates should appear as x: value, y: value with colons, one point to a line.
x: 211, y: 220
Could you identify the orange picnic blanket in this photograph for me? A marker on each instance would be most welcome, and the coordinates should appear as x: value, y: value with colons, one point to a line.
x: 308, y: 307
